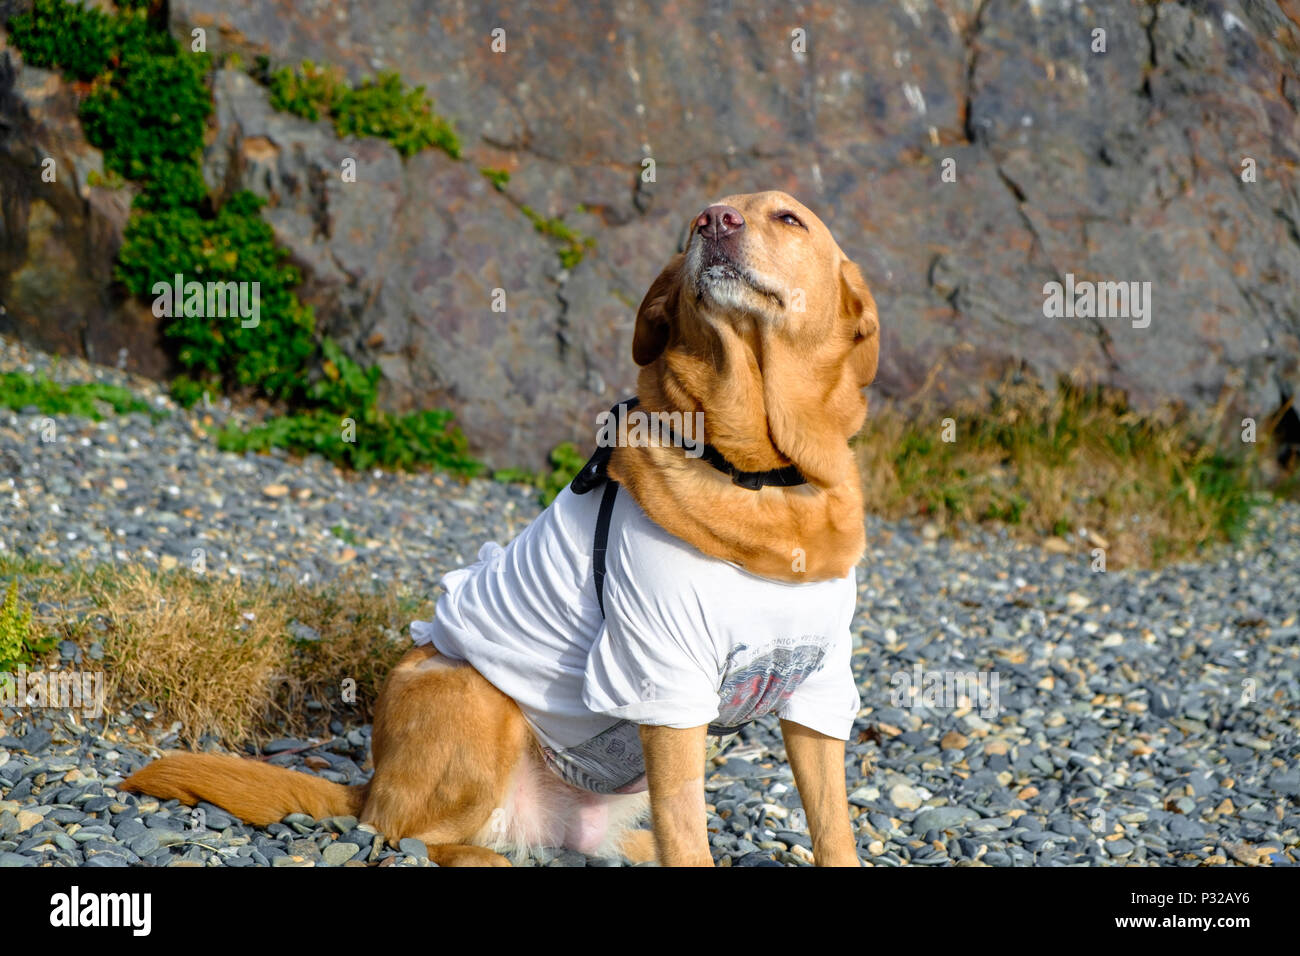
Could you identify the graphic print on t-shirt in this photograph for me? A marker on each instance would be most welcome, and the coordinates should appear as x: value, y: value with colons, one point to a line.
x: 758, y: 681
x: 610, y: 762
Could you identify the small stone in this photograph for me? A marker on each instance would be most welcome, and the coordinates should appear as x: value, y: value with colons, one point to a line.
x: 413, y: 847
x: 954, y: 740
x: 275, y: 490
x: 904, y: 797
x: 167, y: 837
x: 1075, y: 601
x: 942, y: 818
x: 802, y: 853
x: 336, y: 854
x: 145, y: 843
x: 27, y: 819
x: 362, y: 836
x: 1119, y: 848
x: 1247, y: 854
x: 864, y: 796
x: 304, y: 848
x: 280, y: 745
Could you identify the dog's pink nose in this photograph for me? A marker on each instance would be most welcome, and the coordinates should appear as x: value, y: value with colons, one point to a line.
x: 719, y: 222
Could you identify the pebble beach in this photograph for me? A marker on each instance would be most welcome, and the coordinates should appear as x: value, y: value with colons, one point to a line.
x: 1127, y: 717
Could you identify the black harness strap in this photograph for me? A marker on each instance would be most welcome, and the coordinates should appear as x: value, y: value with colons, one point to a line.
x: 593, y: 474
x: 596, y: 473
x: 602, y: 541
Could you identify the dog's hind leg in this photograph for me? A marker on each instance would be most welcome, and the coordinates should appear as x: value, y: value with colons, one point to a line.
x: 445, y: 742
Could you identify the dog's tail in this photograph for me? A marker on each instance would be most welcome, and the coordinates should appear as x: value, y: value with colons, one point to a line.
x: 255, y: 792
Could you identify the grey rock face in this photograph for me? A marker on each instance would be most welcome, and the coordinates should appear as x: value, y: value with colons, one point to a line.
x: 1117, y: 166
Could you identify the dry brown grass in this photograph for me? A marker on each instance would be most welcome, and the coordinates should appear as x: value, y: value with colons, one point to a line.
x: 1147, y: 488
x: 217, y: 652
x: 208, y: 652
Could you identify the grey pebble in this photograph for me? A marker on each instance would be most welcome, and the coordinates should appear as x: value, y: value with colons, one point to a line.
x: 413, y: 847
x: 942, y: 818
x: 338, y: 853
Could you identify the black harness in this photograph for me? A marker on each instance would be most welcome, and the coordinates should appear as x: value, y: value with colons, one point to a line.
x: 596, y: 472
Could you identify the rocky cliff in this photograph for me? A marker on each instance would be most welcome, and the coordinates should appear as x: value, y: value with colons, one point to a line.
x: 966, y: 154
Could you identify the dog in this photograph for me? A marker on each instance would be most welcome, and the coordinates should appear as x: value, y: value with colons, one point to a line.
x: 568, y: 684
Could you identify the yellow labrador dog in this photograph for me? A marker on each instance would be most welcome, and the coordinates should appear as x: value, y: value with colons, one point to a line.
x: 569, y: 681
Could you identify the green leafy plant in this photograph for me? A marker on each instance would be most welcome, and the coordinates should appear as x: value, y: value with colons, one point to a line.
x: 383, y: 107
x: 310, y: 91
x: 425, y: 438
x: 18, y: 645
x: 149, y: 119
x: 346, y: 387
x: 349, y: 428
x: 499, y: 178
x: 19, y: 390
x: 83, y: 42
x: 187, y: 392
x: 78, y: 40
x: 235, y: 245
x: 105, y: 180
x: 574, y: 244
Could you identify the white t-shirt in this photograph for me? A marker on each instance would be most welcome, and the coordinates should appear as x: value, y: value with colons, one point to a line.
x: 686, y: 639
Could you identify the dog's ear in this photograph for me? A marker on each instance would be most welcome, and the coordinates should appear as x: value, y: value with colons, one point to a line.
x: 859, y: 309
x: 657, y: 312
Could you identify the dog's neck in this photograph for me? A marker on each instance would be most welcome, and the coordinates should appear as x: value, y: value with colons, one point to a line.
x: 802, y: 533
x: 759, y: 408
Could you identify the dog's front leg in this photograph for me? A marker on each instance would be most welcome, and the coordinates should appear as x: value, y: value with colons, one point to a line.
x: 818, y: 765
x: 674, y: 766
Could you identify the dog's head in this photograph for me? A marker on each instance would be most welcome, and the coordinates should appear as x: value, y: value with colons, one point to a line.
x: 761, y: 273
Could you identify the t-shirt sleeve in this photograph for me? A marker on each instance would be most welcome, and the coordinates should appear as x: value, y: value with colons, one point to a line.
x: 827, y: 701
x: 653, y: 662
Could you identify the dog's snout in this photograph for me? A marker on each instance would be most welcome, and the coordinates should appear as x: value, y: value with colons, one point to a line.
x: 720, y: 222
